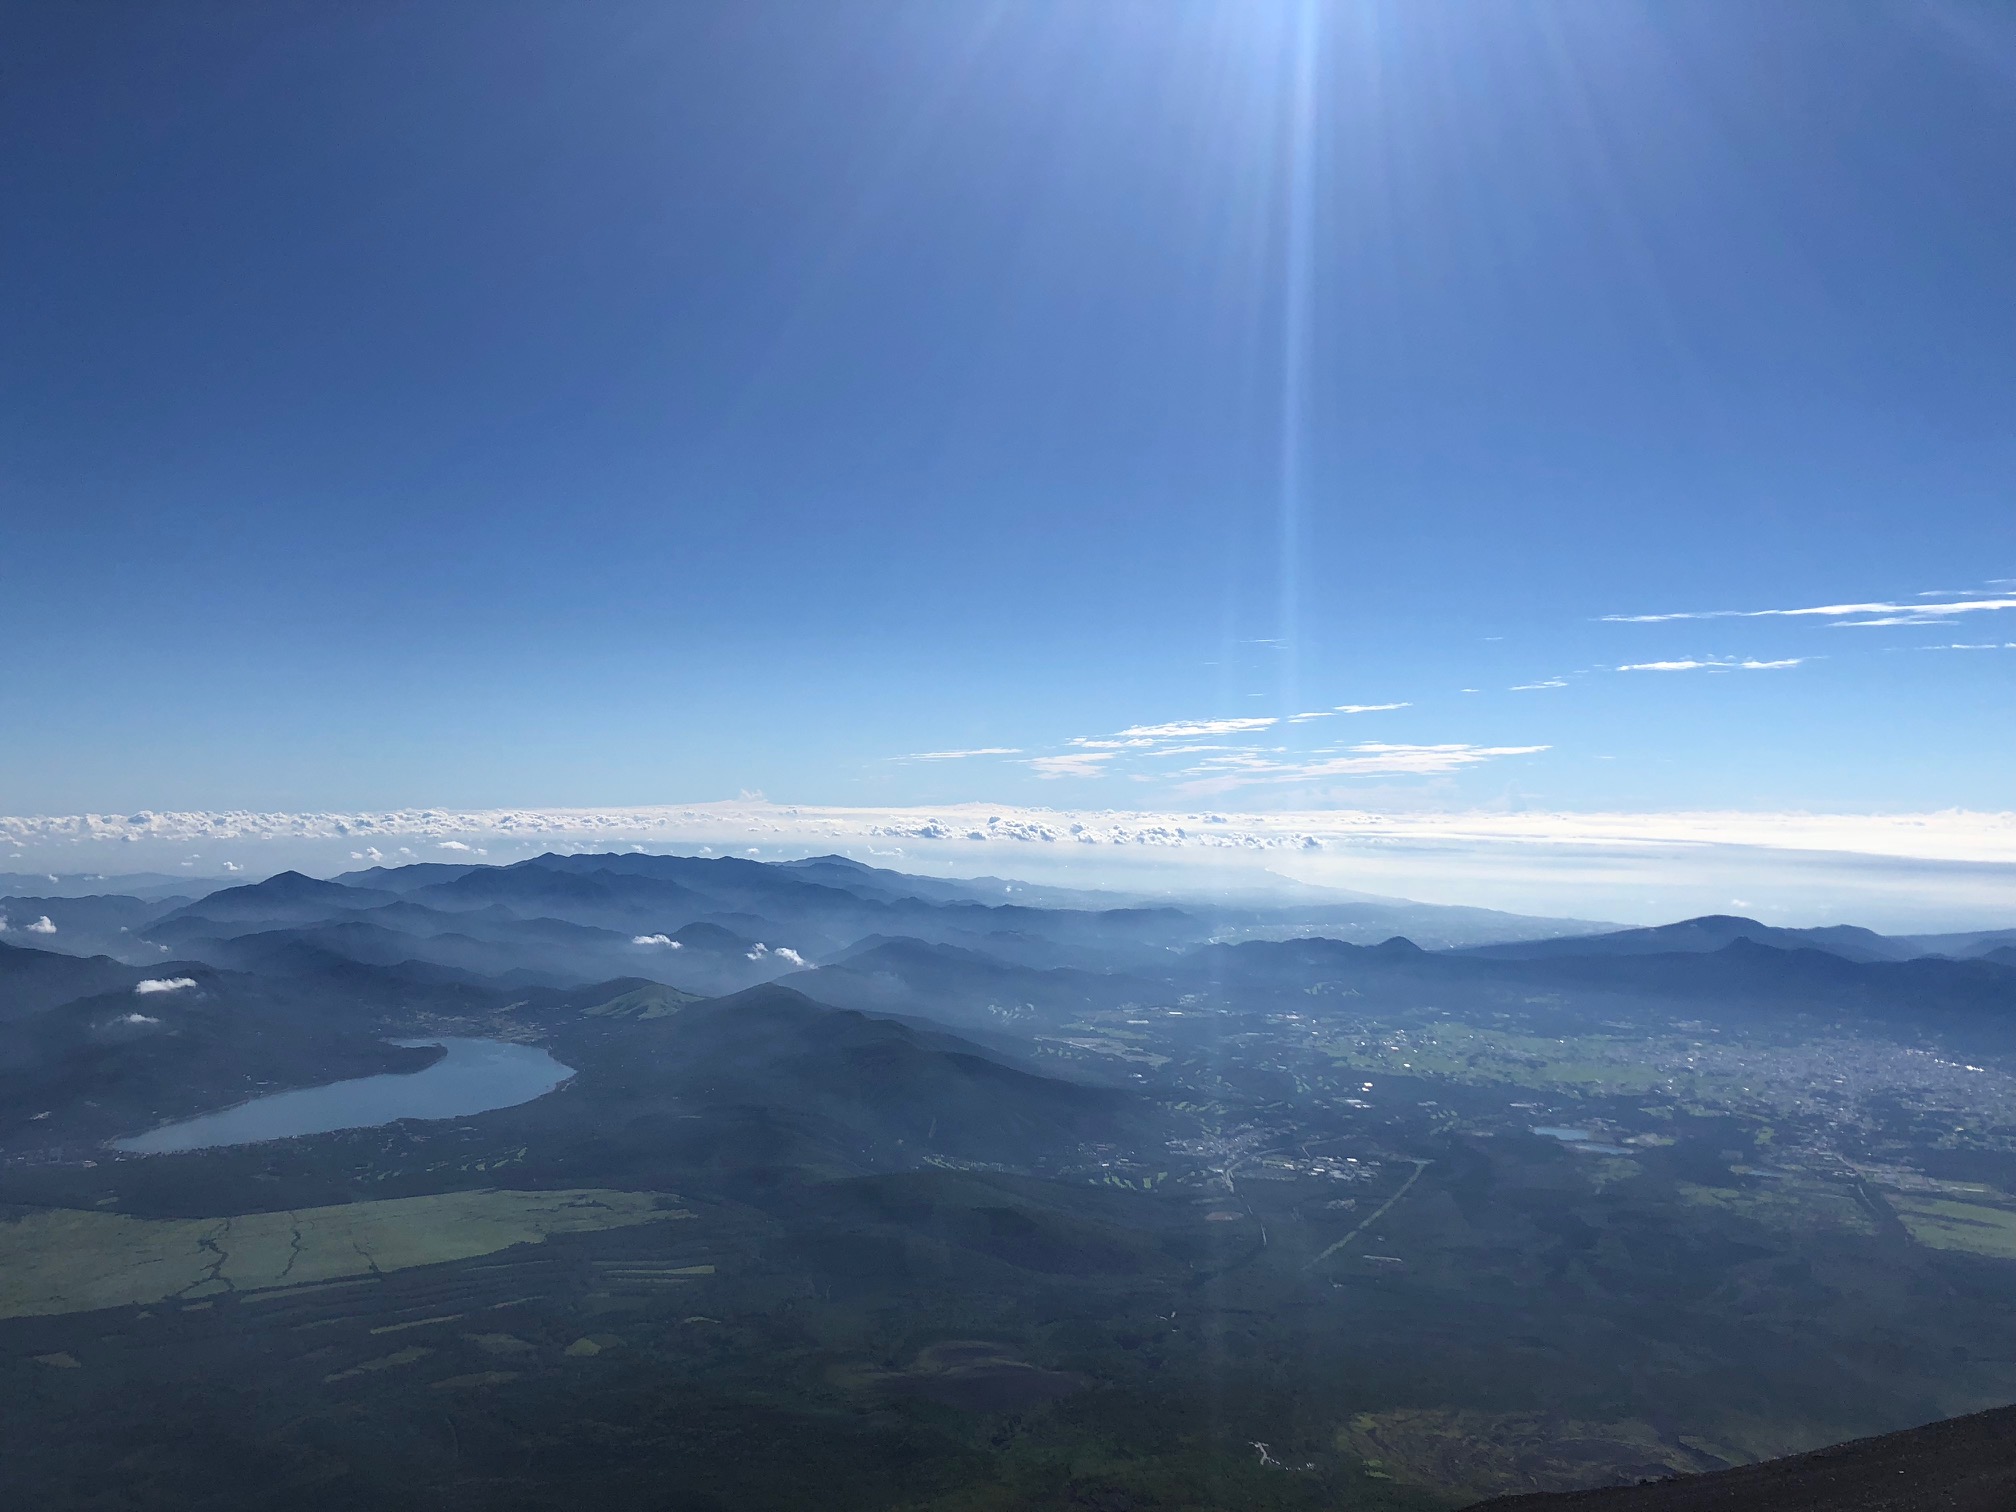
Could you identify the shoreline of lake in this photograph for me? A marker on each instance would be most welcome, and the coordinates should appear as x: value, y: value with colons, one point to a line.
x: 472, y: 1076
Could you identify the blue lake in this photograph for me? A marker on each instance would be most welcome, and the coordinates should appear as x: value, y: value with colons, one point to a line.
x: 1579, y: 1139
x: 475, y: 1076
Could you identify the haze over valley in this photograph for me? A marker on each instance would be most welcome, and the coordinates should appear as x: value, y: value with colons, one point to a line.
x: 978, y: 1185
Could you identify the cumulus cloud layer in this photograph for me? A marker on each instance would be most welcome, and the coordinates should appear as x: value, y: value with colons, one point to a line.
x: 1953, y: 835
x: 153, y: 985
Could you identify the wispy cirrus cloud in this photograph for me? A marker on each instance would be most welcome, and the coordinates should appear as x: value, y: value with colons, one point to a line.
x: 1714, y: 664
x: 1071, y: 764
x: 1190, y: 729
x: 1868, y: 615
x: 1535, y: 687
x: 1087, y: 755
x: 1366, y: 759
x: 960, y: 755
x: 1332, y: 713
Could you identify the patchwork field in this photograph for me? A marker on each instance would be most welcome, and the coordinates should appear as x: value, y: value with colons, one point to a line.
x: 1969, y: 1226
x: 65, y: 1260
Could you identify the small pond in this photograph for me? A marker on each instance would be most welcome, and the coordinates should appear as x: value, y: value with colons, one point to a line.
x: 475, y: 1076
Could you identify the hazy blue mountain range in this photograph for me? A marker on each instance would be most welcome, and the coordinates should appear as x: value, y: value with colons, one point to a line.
x: 1714, y: 931
x: 979, y: 1182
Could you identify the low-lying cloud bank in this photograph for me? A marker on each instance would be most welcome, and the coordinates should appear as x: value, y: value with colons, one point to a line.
x: 1953, y: 869
x: 1951, y: 835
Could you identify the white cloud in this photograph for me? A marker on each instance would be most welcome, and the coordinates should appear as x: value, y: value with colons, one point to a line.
x: 786, y: 953
x: 1534, y: 687
x: 1191, y: 729
x: 42, y: 926
x: 1849, y: 614
x: 135, y: 1018
x: 1920, y: 870
x: 658, y: 939
x: 1713, y: 665
x: 450, y: 845
x: 1071, y: 764
x: 961, y: 755
x: 1371, y: 759
x: 1346, y: 709
x: 163, y: 984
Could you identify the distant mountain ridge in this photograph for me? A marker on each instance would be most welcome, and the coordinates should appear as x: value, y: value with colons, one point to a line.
x: 1715, y: 931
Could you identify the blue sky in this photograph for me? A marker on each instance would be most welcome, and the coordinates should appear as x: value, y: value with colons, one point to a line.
x: 617, y: 404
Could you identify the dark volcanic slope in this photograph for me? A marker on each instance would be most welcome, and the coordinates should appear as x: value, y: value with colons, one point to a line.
x: 34, y: 980
x: 858, y: 1088
x: 1964, y: 1464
